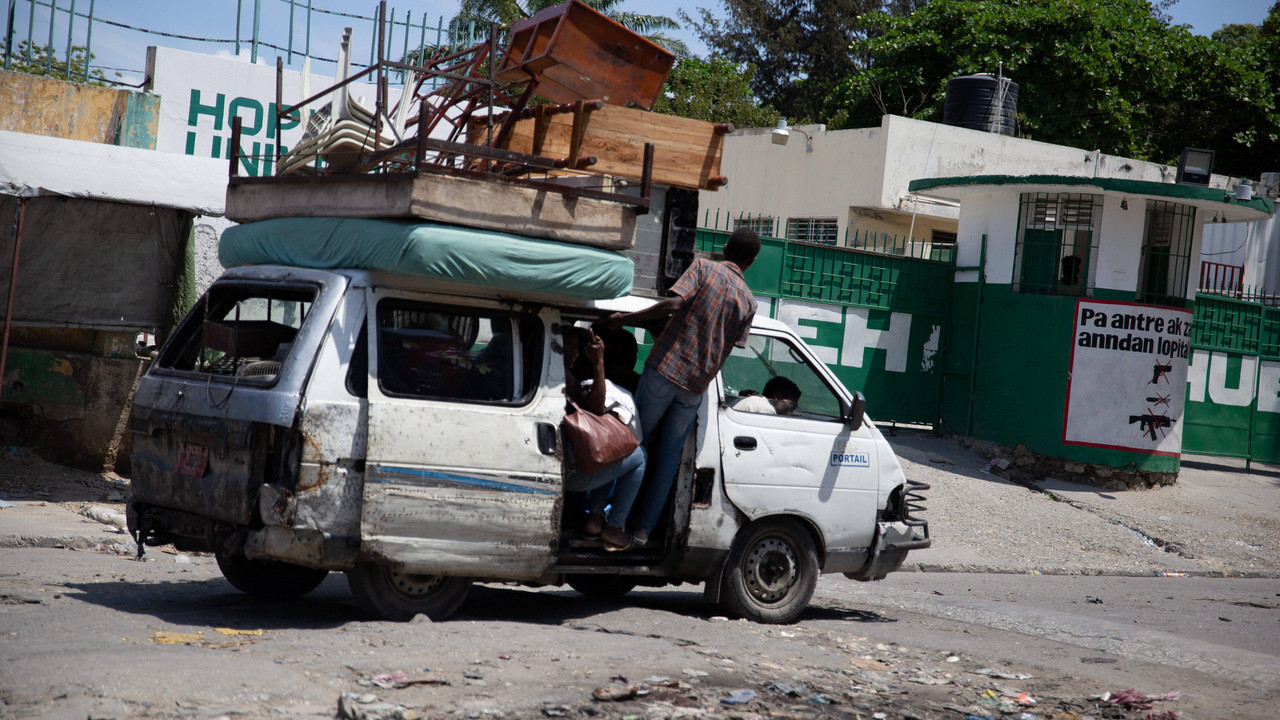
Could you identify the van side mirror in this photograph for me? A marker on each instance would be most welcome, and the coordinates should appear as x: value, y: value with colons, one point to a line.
x: 856, y: 412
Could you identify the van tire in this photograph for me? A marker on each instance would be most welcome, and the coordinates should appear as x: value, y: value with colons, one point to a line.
x: 771, y: 572
x: 391, y: 594
x: 269, y: 579
x: 601, y: 587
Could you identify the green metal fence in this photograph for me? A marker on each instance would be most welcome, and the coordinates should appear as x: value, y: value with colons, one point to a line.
x: 1233, y: 392
x: 877, y: 319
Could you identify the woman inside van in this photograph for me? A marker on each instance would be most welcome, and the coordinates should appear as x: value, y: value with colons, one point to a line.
x: 613, y: 488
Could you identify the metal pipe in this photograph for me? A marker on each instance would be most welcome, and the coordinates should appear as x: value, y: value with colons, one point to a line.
x: 8, y: 35
x: 380, y: 92
x: 88, y: 41
x: 71, y: 23
x: 31, y: 28
x: 308, y: 28
x: 404, y: 53
x: 239, y: 12
x: 13, y: 282
x: 279, y: 101
x: 48, y: 50
x: 290, y: 50
x: 257, y: 16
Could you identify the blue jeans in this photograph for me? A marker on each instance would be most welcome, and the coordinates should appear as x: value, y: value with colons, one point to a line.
x: 623, y: 477
x: 662, y: 403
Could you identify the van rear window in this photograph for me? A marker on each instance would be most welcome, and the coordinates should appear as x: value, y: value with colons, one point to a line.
x: 239, y: 332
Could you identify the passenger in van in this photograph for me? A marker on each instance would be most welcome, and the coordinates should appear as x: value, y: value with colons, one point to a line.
x: 620, y: 352
x: 781, y: 396
x: 708, y: 311
x: 616, y: 486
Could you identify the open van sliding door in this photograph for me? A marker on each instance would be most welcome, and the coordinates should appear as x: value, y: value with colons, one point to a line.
x: 462, y: 475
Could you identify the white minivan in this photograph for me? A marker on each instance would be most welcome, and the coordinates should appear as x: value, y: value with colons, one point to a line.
x: 406, y: 431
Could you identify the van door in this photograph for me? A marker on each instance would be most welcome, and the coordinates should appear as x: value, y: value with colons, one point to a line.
x: 463, y: 475
x: 802, y: 460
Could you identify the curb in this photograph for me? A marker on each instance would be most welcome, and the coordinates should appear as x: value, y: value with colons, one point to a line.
x: 1086, y: 571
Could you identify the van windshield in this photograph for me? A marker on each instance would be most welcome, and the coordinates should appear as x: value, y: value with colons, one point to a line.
x: 243, y: 332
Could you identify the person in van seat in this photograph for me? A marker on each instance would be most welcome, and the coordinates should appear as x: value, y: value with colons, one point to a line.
x: 616, y: 486
x: 780, y: 397
x: 708, y: 311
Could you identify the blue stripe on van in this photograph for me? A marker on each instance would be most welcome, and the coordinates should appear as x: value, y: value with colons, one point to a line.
x: 458, y: 479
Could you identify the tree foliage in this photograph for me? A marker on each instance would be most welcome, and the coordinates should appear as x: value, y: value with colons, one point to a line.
x: 799, y: 48
x: 45, y: 61
x: 479, y: 13
x: 1105, y: 74
x: 714, y: 90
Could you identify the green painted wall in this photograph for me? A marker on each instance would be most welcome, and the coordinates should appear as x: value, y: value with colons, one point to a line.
x: 1024, y: 356
x: 877, y: 320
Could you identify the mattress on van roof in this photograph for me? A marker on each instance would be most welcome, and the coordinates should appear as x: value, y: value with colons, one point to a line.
x: 431, y: 250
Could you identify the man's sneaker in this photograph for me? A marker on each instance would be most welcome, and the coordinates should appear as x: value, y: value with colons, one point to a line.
x: 641, y: 537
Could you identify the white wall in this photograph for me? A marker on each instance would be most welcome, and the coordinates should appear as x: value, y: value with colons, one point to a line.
x: 1119, y: 244
x: 861, y: 176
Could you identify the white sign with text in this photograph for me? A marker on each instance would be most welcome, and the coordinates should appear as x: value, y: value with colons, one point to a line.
x: 1127, y: 384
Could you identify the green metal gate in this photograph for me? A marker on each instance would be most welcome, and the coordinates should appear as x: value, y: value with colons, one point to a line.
x: 877, y: 319
x: 1233, y: 382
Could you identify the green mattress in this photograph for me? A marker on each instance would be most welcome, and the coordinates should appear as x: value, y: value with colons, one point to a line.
x: 431, y: 250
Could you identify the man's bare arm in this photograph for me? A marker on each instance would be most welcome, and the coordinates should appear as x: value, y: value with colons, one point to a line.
x: 660, y: 310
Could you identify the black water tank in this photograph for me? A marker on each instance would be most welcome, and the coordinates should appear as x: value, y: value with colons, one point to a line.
x: 981, y: 102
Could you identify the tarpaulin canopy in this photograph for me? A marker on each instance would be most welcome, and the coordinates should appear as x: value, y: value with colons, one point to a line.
x: 431, y: 250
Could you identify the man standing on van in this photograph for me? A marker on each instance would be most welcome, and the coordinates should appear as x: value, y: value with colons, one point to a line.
x: 709, y: 310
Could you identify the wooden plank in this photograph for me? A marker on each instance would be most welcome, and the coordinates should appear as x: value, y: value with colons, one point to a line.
x: 456, y: 200
x: 686, y: 152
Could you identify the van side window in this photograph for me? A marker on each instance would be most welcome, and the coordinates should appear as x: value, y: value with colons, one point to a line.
x: 244, y: 332
x: 766, y: 359
x: 464, y: 354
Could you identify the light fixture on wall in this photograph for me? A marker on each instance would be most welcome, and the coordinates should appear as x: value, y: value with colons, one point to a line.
x: 782, y: 133
x: 1195, y: 167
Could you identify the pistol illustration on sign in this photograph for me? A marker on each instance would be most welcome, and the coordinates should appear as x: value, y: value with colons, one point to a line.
x: 1151, y: 424
x: 1160, y: 370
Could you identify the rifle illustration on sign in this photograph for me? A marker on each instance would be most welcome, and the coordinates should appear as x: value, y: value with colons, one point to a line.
x: 1150, y: 424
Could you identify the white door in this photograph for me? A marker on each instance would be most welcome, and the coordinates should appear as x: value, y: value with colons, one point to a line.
x: 463, y: 475
x: 805, y: 461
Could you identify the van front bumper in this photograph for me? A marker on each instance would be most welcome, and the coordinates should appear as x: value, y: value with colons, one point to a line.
x: 892, y: 543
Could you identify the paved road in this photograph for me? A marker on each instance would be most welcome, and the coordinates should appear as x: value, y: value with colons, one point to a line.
x: 90, y: 634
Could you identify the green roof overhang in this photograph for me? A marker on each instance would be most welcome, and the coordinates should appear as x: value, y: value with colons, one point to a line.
x: 1209, y: 199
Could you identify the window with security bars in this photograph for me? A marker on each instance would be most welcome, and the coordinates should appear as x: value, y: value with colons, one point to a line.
x: 820, y: 231
x: 1057, y: 243
x: 1166, y: 253
x: 762, y: 224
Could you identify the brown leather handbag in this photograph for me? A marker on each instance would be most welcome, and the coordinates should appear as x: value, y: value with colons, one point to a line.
x: 598, y: 440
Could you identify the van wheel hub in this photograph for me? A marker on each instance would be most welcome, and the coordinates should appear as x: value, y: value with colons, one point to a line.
x: 770, y: 570
x: 413, y: 584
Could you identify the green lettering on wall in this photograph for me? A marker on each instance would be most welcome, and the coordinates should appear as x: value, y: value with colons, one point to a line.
x: 248, y: 127
x: 215, y: 110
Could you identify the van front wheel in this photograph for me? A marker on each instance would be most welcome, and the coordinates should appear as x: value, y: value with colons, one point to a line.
x: 771, y: 572
x: 392, y: 594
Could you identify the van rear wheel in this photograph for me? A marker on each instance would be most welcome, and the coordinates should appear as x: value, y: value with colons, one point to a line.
x: 391, y: 594
x: 269, y: 579
x: 771, y: 572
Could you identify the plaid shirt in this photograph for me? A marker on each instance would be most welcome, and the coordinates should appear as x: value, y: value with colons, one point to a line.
x: 717, y: 312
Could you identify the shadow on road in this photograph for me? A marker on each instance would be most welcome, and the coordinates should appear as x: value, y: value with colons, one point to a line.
x: 214, y: 603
